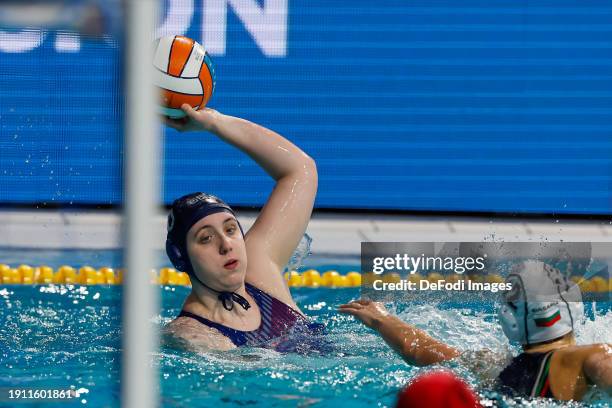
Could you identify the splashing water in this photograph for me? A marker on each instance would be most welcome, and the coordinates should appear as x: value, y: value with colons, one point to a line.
x: 301, y: 252
x: 70, y: 336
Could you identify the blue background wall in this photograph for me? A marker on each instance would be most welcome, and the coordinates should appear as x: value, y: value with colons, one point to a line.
x: 421, y: 105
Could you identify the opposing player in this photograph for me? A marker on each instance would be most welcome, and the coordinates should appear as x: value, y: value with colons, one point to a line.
x: 540, y: 313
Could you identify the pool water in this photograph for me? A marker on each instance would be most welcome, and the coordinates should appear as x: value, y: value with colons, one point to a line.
x: 54, y: 337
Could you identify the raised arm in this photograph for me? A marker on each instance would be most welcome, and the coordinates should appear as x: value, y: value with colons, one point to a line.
x: 283, y: 220
x: 413, y: 344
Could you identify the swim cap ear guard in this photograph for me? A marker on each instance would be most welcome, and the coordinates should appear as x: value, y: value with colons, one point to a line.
x: 176, y: 256
x: 543, y: 304
x: 185, y: 212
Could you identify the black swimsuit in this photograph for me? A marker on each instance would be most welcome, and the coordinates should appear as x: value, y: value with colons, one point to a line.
x: 528, y: 375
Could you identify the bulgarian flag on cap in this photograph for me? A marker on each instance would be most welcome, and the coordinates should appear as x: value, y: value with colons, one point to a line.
x: 548, y: 319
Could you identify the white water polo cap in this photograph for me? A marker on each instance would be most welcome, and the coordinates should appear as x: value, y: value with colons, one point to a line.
x: 543, y: 304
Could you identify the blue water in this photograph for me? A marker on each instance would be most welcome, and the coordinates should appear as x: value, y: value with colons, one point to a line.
x: 56, y: 337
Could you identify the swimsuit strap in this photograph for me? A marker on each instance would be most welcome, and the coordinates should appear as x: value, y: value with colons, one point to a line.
x: 541, y: 387
x: 527, y: 376
x: 276, y: 316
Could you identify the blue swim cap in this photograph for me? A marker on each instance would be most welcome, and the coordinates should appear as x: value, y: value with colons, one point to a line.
x: 185, y: 212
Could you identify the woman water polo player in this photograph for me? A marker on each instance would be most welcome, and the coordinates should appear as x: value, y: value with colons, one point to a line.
x: 540, y: 312
x: 239, y: 296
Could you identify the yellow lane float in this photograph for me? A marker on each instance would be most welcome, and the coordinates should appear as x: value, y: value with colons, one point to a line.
x: 88, y: 275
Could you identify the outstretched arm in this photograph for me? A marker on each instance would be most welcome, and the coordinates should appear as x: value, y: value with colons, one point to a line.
x: 283, y: 220
x: 414, y: 345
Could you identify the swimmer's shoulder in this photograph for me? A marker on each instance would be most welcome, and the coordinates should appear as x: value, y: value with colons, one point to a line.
x: 266, y: 276
x: 571, y: 360
x: 190, y: 334
x: 569, y: 367
x: 577, y: 354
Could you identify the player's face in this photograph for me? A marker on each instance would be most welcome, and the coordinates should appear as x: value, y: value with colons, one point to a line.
x: 217, y: 251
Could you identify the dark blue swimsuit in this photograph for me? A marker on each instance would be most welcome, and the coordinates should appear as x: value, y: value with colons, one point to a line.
x: 277, y: 321
x: 527, y: 375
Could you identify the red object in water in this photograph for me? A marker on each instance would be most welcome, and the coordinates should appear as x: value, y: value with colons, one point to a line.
x: 438, y: 389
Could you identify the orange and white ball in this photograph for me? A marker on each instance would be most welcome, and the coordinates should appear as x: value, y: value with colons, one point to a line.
x: 184, y: 73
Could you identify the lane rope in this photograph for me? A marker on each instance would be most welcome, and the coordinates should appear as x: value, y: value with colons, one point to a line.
x: 87, y: 275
